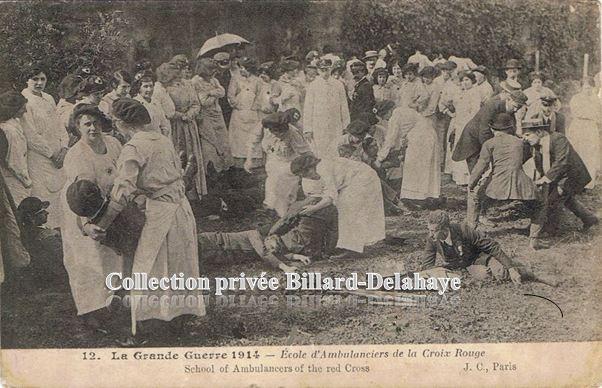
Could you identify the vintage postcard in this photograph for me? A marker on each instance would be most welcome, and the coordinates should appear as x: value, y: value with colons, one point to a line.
x: 300, y: 193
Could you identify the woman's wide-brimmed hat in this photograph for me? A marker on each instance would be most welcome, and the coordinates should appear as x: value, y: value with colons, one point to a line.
x: 370, y: 54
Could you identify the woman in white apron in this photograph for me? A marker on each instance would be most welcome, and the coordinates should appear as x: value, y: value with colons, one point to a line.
x: 282, y: 142
x: 354, y: 188
x: 466, y: 103
x: 149, y: 166
x: 243, y: 95
x: 47, y: 142
x: 583, y: 133
x: 87, y: 261
x: 421, y: 169
x: 14, y: 164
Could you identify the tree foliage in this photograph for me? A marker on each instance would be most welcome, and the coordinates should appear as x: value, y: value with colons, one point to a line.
x: 38, y: 32
x: 487, y: 31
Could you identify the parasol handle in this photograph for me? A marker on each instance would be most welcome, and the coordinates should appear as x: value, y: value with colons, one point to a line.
x: 537, y: 60
x: 585, y: 65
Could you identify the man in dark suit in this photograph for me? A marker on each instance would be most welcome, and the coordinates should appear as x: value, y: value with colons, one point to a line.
x: 362, y: 98
x: 462, y: 247
x: 555, y: 121
x: 224, y: 76
x: 562, y: 175
x: 505, y: 153
x: 477, y: 130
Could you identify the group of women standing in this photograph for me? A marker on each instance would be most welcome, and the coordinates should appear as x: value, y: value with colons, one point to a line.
x: 142, y: 134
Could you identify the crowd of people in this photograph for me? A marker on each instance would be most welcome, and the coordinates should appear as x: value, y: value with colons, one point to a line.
x: 108, y: 174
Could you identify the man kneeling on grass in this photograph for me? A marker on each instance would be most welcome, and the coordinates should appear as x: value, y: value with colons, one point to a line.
x: 462, y: 247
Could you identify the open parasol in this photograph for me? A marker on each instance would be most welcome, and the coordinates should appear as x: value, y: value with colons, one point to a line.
x: 220, y: 41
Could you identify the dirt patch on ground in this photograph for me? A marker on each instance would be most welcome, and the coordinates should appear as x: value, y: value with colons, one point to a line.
x: 35, y: 316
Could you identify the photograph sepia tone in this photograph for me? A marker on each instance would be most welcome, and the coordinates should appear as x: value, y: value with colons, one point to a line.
x: 246, y: 191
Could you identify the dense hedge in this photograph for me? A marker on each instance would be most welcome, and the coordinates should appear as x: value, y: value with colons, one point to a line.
x: 487, y: 31
x: 115, y: 34
x: 36, y: 32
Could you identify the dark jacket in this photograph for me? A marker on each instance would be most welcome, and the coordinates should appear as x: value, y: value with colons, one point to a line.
x: 467, y: 245
x: 314, y: 236
x: 45, y: 247
x: 363, y: 99
x: 567, y: 170
x: 477, y: 130
x: 224, y: 78
x: 507, y: 180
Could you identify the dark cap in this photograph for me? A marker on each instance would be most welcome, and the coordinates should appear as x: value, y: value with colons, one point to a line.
x: 410, y: 68
x: 292, y: 115
x: 84, y: 198
x: 428, y: 72
x: 275, y: 121
x: 31, y: 205
x: 448, y: 65
x: 381, y: 108
x: 502, y: 121
x: 379, y: 71
x: 303, y: 162
x: 131, y: 111
x: 357, y: 128
x: 548, y: 99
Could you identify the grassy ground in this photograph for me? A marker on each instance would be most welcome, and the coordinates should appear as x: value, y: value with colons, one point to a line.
x: 37, y: 317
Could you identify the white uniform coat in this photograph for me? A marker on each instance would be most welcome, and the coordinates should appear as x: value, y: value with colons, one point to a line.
x: 87, y: 261
x: 45, y: 136
x: 356, y: 192
x: 325, y: 113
